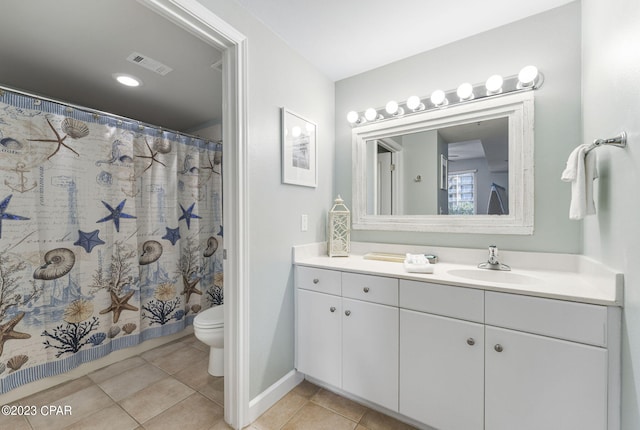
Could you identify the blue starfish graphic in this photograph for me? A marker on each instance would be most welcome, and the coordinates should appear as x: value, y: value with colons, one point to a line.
x: 187, y: 215
x: 173, y: 235
x: 5, y: 215
x: 89, y: 240
x: 116, y: 214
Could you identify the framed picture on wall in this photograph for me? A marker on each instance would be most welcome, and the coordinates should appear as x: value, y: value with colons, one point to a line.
x: 299, y: 150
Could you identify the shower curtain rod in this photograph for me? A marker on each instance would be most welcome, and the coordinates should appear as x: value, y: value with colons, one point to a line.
x: 4, y: 88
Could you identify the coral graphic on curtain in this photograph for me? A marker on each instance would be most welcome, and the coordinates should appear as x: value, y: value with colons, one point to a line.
x: 110, y: 234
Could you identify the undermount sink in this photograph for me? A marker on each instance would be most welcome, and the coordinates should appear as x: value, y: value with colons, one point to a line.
x: 494, y: 276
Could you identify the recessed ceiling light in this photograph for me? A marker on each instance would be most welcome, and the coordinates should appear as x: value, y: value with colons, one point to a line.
x: 128, y: 80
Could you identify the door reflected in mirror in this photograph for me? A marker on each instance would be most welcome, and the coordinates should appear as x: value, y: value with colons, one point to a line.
x: 456, y: 170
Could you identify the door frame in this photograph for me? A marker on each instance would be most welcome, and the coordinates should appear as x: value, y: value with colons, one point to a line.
x: 204, y: 24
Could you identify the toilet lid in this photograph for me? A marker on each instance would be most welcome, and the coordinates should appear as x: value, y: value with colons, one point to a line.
x: 210, y: 318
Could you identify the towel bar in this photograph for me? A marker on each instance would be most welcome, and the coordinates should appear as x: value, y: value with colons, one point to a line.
x: 620, y: 141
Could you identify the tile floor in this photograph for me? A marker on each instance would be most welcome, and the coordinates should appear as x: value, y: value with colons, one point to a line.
x: 169, y: 388
x: 165, y: 388
x: 309, y: 407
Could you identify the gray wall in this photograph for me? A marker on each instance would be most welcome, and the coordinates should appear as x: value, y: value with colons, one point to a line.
x: 611, y: 88
x: 278, y: 77
x: 551, y: 41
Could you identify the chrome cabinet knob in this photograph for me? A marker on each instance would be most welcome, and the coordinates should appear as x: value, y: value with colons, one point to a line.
x: 347, y: 313
x: 365, y: 289
x: 332, y: 308
x: 498, y: 348
x: 471, y: 341
x: 316, y: 280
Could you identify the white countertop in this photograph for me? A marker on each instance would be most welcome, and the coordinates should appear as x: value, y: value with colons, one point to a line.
x: 565, y: 276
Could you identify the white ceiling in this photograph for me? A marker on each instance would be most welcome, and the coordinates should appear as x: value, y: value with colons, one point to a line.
x: 68, y: 49
x: 346, y: 37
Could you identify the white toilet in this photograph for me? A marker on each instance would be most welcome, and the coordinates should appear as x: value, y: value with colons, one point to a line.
x: 208, y: 326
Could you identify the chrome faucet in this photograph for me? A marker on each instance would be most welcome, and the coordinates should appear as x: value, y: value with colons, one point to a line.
x: 492, y: 263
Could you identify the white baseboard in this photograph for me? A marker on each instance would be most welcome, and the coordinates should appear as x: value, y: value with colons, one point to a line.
x: 263, y: 401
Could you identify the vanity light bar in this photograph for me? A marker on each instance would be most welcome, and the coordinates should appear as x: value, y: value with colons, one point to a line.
x: 529, y: 78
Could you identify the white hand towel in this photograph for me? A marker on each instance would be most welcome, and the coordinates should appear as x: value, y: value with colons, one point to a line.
x: 581, y: 170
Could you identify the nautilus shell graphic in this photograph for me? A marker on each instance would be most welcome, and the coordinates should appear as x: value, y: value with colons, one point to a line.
x: 212, y: 246
x: 151, y: 251
x: 58, y: 262
x: 74, y: 128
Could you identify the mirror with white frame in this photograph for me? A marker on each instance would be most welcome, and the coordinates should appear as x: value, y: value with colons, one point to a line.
x: 472, y: 162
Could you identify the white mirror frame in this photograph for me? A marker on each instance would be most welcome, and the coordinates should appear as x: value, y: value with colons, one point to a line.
x: 518, y: 107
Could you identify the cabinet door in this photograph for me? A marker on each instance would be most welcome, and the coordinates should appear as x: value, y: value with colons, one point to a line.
x: 319, y: 336
x: 535, y: 382
x: 370, y: 352
x: 442, y: 371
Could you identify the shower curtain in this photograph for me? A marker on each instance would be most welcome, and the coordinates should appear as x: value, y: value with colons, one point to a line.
x: 110, y: 234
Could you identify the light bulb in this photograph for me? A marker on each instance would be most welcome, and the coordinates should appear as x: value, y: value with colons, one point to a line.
x: 494, y: 84
x: 352, y: 117
x: 527, y: 76
x: 128, y: 80
x: 465, y: 91
x: 415, y: 104
x: 393, y: 108
x: 438, y: 98
x: 370, y: 114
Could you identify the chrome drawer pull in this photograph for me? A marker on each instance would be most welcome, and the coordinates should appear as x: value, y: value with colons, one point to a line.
x: 332, y: 308
x: 365, y: 289
x: 498, y: 348
x: 471, y: 341
x: 347, y: 313
x: 316, y: 280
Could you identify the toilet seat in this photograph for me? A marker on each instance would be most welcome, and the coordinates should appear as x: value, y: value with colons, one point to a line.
x: 210, y: 318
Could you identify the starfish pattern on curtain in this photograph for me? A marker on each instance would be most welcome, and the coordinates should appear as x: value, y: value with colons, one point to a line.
x: 71, y: 292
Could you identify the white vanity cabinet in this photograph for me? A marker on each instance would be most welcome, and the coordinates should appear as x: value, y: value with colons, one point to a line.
x: 442, y: 355
x: 535, y: 382
x: 370, y: 352
x: 557, y: 378
x: 319, y: 340
x: 460, y: 358
x: 441, y: 371
x: 349, y: 338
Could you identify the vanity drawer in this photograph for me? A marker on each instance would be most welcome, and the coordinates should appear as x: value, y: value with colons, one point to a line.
x: 455, y: 302
x: 321, y: 280
x: 578, y: 322
x: 375, y: 289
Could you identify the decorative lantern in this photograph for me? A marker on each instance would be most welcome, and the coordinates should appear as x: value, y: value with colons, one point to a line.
x: 339, y: 229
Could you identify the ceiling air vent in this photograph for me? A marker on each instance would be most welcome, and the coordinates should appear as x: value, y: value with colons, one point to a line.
x: 149, y: 63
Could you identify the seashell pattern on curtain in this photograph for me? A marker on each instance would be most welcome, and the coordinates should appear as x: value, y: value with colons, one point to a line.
x: 110, y: 234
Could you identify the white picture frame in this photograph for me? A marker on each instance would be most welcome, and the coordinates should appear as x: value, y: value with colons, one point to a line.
x: 299, y: 150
